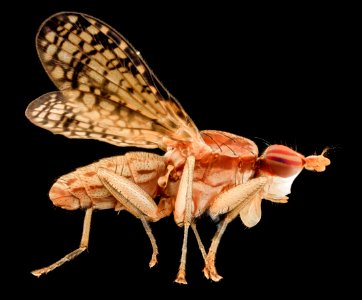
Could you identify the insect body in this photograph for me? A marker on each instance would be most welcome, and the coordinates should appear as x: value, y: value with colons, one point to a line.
x: 107, y: 92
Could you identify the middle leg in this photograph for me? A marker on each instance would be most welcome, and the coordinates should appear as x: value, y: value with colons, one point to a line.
x: 183, y: 212
x: 243, y: 200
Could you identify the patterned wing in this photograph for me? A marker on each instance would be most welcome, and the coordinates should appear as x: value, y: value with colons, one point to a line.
x: 106, y: 90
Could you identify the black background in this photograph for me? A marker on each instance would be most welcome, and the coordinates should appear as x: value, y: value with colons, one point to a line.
x: 274, y: 74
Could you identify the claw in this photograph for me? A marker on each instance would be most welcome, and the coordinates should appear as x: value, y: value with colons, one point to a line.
x: 212, y: 274
x: 206, y: 273
x: 210, y: 270
x: 215, y: 277
x: 153, y: 260
x: 181, y: 278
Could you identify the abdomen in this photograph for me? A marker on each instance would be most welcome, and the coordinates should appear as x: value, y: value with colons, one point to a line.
x: 82, y: 188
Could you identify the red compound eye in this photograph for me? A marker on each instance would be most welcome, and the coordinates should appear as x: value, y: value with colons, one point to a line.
x: 282, y: 161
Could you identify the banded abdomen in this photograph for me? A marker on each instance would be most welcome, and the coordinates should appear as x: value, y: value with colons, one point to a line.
x: 82, y: 188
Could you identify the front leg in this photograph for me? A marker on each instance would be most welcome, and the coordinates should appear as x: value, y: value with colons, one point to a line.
x: 135, y: 200
x: 243, y: 200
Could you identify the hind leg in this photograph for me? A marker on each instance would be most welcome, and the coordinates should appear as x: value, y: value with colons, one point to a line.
x: 135, y: 200
x: 82, y: 247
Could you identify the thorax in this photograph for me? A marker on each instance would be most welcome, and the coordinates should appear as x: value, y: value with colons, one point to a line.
x: 225, y: 160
